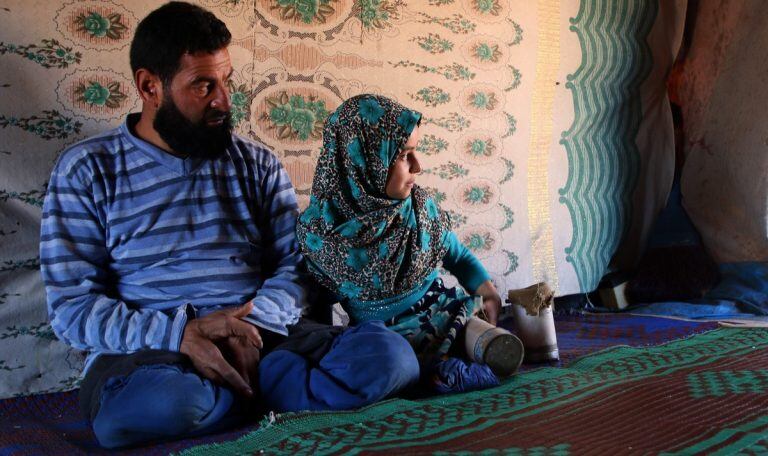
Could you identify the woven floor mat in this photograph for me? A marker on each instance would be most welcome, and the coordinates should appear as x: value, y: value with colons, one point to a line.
x: 51, y: 424
x: 704, y: 394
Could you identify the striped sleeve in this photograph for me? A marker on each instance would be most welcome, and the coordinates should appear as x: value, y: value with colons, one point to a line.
x: 82, y: 307
x: 283, y: 291
x: 460, y: 262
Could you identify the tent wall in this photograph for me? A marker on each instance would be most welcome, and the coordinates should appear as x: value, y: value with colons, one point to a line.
x: 547, y: 130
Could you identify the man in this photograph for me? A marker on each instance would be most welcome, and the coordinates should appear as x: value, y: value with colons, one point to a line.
x: 168, y: 253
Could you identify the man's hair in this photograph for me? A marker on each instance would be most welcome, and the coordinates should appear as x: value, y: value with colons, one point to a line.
x: 171, y: 31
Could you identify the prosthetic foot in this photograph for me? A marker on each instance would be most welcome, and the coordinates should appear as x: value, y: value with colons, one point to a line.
x: 534, y: 322
x: 496, y: 347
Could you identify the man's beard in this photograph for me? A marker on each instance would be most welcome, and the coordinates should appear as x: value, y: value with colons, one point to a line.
x: 193, y: 139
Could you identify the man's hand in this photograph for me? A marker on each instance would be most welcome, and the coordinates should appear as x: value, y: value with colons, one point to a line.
x: 491, y: 301
x: 198, y: 343
x: 244, y: 357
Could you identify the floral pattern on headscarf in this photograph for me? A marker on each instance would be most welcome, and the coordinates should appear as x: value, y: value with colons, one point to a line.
x: 358, y: 242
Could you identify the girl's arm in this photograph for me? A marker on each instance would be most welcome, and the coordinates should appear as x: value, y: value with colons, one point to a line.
x: 472, y: 275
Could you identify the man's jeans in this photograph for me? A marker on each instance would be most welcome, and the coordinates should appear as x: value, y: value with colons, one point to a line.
x: 154, y: 402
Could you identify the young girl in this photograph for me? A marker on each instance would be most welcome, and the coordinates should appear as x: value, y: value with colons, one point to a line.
x: 376, y: 239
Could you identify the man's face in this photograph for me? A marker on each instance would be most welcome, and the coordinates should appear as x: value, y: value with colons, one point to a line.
x: 194, y: 117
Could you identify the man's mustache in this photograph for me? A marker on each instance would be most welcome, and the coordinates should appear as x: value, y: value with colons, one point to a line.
x: 215, y: 115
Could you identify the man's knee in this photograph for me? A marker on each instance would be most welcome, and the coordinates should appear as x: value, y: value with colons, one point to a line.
x: 284, y: 383
x: 155, y: 403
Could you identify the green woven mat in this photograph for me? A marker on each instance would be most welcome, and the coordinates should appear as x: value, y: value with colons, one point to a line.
x: 704, y: 394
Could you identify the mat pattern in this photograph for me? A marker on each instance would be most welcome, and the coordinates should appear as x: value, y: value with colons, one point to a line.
x: 50, y: 424
x: 705, y: 394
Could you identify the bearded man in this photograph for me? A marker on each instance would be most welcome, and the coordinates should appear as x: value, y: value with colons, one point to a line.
x: 168, y: 253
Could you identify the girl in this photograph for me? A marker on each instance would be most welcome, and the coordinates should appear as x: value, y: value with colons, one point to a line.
x: 374, y: 238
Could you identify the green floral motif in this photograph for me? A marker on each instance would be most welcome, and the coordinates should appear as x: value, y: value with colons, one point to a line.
x: 42, y: 331
x: 486, y: 52
x: 48, y: 55
x: 431, y: 145
x: 371, y: 111
x: 98, y: 95
x: 480, y: 147
x: 51, y: 125
x: 478, y: 241
x: 4, y: 297
x: 350, y: 289
x: 296, y: 117
x: 376, y: 13
x: 357, y: 259
x: 434, y: 43
x: 432, y: 96
x: 7, y: 368
x: 448, y: 171
x: 440, y: 2
x: 511, y: 125
x: 476, y: 195
x: 518, y: 33
x: 453, y: 122
x: 95, y: 93
x: 99, y: 26
x: 487, y: 7
x: 241, y: 99
x: 32, y: 197
x: 437, y: 195
x: 483, y: 100
x: 95, y: 24
x: 453, y: 72
x: 513, y: 262
x: 457, y: 220
x: 516, y: 77
x: 509, y: 217
x: 314, y: 242
x: 305, y: 10
x: 510, y: 170
x: 456, y: 23
x: 31, y: 264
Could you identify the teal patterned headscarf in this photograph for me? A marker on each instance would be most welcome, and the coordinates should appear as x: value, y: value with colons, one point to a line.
x: 358, y: 242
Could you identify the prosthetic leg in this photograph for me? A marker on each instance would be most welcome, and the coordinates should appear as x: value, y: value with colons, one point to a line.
x: 534, y: 322
x: 496, y: 347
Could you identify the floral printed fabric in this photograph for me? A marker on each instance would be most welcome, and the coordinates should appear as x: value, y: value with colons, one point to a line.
x: 434, y: 322
x: 358, y: 242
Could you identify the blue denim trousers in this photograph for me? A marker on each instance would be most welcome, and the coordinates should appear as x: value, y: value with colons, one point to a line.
x: 156, y: 402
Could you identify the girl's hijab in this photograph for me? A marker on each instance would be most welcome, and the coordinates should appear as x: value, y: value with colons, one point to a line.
x: 358, y: 242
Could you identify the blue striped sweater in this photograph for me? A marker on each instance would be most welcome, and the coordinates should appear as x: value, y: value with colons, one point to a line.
x: 135, y: 241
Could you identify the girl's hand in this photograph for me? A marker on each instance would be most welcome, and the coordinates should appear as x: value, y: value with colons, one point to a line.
x: 491, y: 301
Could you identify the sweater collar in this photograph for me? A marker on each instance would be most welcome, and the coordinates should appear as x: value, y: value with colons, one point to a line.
x: 183, y: 166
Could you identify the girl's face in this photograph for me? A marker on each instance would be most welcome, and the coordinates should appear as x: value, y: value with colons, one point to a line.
x: 404, y: 168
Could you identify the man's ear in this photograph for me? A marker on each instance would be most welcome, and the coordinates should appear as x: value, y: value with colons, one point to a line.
x: 149, y: 86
